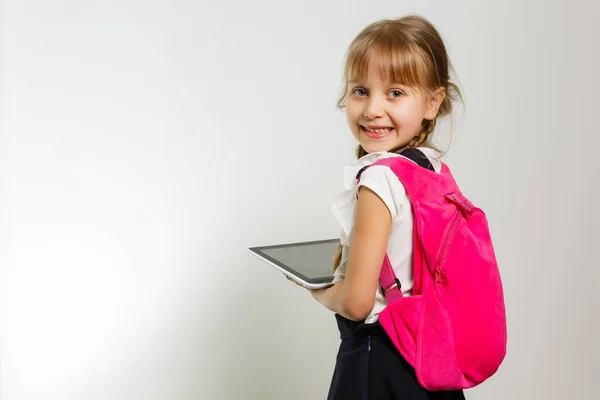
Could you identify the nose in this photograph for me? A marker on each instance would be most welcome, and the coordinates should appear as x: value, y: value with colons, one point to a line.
x: 374, y: 108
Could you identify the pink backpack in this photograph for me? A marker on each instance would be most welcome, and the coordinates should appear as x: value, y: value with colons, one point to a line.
x: 452, y: 330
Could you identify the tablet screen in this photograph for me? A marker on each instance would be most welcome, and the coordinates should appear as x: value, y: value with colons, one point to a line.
x: 312, y: 260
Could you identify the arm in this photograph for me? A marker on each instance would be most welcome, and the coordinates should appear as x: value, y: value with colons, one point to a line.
x: 354, y: 297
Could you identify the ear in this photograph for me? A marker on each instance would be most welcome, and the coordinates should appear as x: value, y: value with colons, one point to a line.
x: 434, y: 102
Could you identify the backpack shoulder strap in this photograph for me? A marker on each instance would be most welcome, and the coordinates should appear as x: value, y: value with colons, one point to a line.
x: 413, y: 154
x: 390, y: 284
x: 418, y: 157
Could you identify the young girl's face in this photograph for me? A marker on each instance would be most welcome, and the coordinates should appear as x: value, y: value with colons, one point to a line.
x: 385, y: 115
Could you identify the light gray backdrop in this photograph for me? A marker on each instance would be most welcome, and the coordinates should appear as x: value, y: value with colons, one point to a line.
x: 146, y: 144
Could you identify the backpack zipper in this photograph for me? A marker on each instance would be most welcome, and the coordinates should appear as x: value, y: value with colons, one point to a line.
x: 440, y: 273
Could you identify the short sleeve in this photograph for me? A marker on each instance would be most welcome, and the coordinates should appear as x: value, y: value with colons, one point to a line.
x: 385, y: 184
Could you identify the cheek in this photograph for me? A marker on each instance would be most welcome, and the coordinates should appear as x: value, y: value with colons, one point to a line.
x: 353, y: 114
x: 352, y: 111
x: 408, y: 115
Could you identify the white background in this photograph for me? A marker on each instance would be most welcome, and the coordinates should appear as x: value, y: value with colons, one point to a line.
x: 146, y: 144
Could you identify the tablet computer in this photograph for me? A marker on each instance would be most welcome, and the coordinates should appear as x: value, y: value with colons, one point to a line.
x: 308, y: 263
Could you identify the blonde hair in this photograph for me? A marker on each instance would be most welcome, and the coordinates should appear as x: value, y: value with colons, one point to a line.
x: 408, y: 50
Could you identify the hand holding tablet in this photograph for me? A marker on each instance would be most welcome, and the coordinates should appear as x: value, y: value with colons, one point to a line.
x: 310, y: 264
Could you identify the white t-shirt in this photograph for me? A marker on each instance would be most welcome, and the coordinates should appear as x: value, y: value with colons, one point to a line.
x: 381, y: 180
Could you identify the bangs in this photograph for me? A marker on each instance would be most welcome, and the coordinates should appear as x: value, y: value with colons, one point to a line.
x: 389, y: 59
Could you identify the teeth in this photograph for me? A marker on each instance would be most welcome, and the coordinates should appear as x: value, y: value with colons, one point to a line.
x: 385, y: 130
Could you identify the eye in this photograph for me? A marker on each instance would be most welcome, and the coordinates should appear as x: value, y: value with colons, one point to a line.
x: 359, y: 92
x: 396, y: 93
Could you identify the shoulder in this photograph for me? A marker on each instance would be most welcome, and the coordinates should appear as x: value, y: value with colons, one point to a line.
x: 382, y: 180
x: 419, y: 155
x: 384, y: 183
x: 382, y: 174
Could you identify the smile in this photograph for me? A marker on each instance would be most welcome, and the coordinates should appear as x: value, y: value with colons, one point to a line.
x: 376, y: 132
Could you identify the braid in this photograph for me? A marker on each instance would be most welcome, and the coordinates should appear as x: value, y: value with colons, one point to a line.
x: 423, y: 138
x: 337, y: 260
x: 360, y: 152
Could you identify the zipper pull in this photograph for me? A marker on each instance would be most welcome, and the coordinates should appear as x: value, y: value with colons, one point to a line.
x: 462, y: 203
x: 440, y: 276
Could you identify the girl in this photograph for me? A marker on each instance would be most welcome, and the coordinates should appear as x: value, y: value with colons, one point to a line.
x: 397, y: 86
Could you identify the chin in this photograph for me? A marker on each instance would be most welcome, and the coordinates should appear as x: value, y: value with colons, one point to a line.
x: 375, y: 148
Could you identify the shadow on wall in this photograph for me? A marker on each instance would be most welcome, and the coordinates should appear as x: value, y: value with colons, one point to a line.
x: 265, y: 341
x: 276, y: 339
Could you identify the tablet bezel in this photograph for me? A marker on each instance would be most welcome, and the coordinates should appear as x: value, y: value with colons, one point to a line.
x: 313, y: 283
